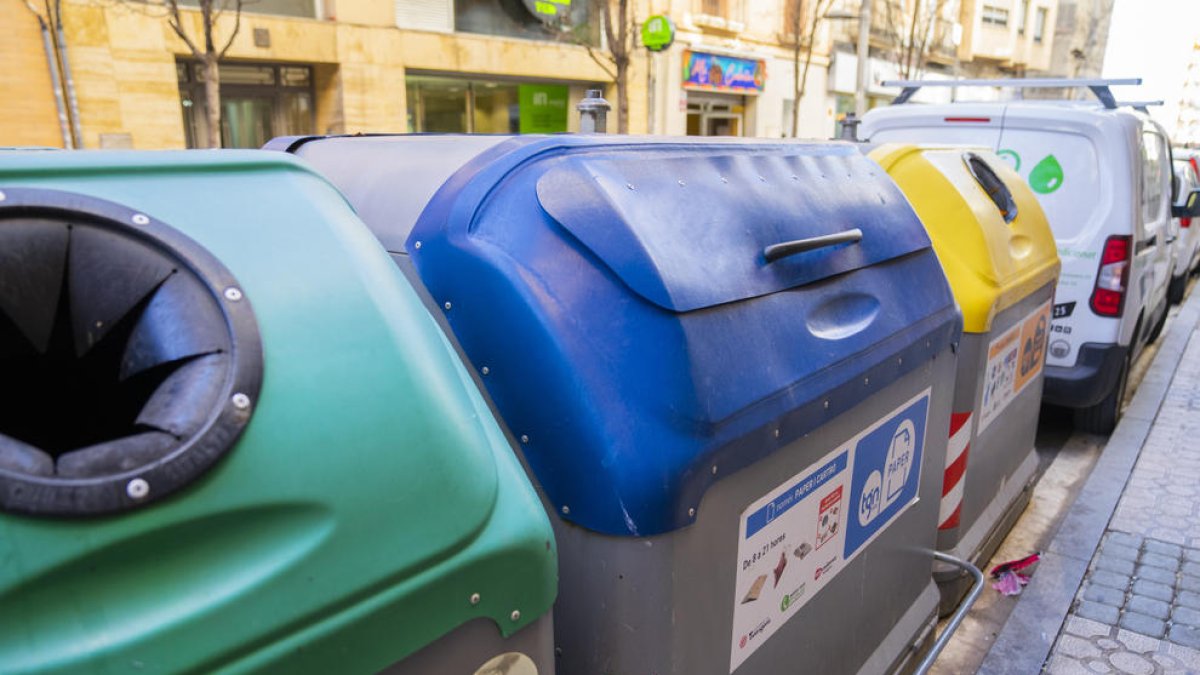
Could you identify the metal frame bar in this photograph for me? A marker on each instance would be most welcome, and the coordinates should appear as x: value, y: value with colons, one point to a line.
x: 959, y: 614
x: 1099, y: 87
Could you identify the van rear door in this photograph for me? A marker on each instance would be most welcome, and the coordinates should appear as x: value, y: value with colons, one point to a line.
x: 958, y: 123
x: 1060, y: 156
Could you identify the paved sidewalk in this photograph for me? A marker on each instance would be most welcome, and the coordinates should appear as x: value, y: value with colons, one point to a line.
x: 1118, y: 590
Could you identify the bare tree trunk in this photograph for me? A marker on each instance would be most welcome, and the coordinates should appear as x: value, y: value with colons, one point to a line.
x: 623, y: 98
x: 208, y: 55
x: 212, y: 100
x: 801, y: 83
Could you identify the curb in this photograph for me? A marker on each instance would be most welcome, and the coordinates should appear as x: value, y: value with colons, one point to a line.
x: 1024, y: 643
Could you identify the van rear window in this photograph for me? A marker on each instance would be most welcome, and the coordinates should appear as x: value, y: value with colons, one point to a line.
x: 1063, y: 170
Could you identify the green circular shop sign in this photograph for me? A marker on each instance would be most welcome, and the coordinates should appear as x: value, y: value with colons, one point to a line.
x: 658, y: 33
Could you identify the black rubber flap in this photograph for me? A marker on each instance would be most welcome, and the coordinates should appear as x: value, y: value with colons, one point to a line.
x: 20, y: 457
x: 119, y: 456
x: 109, y: 275
x: 182, y: 320
x: 37, y: 248
x: 130, y: 355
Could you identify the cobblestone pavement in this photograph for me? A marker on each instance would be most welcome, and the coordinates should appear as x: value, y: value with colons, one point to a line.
x: 1138, y: 610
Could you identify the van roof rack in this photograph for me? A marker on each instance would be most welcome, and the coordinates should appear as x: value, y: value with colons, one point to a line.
x: 1099, y: 87
x: 1140, y: 106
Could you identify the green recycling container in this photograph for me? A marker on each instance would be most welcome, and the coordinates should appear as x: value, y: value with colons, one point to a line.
x: 232, y: 439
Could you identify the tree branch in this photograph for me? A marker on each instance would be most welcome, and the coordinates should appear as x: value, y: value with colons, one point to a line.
x: 596, y: 57
x: 176, y: 24
x: 237, y: 24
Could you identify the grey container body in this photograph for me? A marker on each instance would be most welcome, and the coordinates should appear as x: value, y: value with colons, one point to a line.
x: 664, y: 604
x: 1001, y: 461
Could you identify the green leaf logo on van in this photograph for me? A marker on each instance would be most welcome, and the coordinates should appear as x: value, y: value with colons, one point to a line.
x: 1047, y: 176
x: 1011, y: 157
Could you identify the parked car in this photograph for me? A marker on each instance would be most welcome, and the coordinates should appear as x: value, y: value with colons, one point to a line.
x: 1103, y: 175
x: 1188, y: 244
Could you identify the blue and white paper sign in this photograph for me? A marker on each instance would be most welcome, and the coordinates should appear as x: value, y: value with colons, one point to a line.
x: 795, y: 539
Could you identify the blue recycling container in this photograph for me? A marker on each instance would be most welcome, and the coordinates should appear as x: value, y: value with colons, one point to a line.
x: 728, y: 365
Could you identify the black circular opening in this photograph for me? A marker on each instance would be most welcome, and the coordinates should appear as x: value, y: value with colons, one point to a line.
x: 995, y: 188
x: 130, y: 356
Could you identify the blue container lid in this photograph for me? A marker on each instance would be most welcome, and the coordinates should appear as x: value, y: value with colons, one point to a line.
x: 615, y: 294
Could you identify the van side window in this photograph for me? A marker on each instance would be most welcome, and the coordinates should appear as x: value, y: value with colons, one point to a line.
x: 1153, y: 165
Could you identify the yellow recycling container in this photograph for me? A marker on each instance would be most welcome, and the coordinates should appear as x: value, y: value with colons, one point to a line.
x: 999, y: 255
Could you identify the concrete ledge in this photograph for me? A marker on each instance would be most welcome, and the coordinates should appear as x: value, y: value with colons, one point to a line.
x: 1024, y: 643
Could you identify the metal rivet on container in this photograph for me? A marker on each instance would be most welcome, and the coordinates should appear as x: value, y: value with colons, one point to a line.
x: 524, y: 438
x: 927, y: 344
x: 240, y: 401
x: 761, y: 178
x: 630, y: 186
x: 776, y: 433
x: 795, y: 177
x: 475, y: 598
x: 827, y: 405
x: 900, y: 361
x: 714, y: 469
x: 416, y: 244
x: 447, y: 306
x: 141, y: 219
x: 516, y: 615
x: 691, y: 513
x: 724, y: 179
x: 485, y: 370
x: 682, y: 184
x: 233, y: 294
x: 137, y: 488
x: 866, y: 380
x: 566, y: 509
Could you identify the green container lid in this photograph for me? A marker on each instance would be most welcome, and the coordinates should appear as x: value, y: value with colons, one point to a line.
x: 369, y: 497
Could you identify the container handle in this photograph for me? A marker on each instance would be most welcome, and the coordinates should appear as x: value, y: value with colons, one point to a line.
x: 959, y: 614
x: 788, y: 248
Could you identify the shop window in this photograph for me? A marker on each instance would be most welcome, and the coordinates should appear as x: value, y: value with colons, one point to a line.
x: 1023, y: 17
x: 557, y: 20
x: 303, y: 8
x: 452, y: 105
x: 258, y: 103
x: 993, y: 15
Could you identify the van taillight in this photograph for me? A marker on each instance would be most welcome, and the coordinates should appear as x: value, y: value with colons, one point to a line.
x: 1185, y: 222
x: 1109, y: 294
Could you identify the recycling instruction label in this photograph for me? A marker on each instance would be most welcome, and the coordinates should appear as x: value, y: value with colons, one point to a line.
x: 1015, y: 358
x: 795, y: 539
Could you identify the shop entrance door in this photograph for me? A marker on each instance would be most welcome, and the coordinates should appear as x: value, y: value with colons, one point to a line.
x: 715, y: 115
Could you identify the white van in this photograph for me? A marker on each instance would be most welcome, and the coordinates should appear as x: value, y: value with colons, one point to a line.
x: 1188, y: 244
x: 1103, y: 174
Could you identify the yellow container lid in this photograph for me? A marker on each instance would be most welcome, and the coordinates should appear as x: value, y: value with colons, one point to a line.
x: 993, y: 257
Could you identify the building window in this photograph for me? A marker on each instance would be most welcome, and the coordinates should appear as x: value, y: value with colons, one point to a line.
x: 557, y: 20
x: 304, y: 8
x: 996, y: 16
x: 453, y: 105
x: 1039, y: 24
x: 258, y: 103
x: 1023, y: 18
x: 714, y: 7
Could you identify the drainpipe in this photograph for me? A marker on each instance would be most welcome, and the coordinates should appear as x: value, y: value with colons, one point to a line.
x: 72, y: 102
x: 52, y: 63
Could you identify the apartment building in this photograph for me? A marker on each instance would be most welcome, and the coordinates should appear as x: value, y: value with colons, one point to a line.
x: 1187, y: 123
x: 301, y: 67
x: 939, y: 39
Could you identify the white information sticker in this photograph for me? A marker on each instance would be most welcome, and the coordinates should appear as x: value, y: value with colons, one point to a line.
x: 1015, y: 358
x: 794, y: 540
